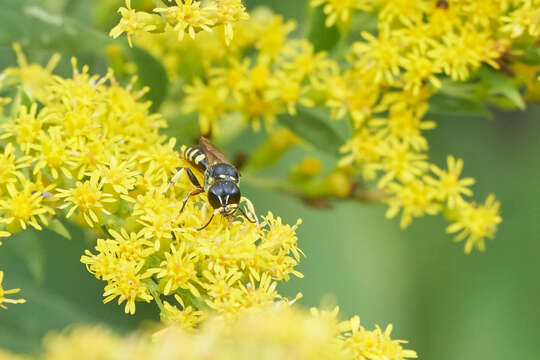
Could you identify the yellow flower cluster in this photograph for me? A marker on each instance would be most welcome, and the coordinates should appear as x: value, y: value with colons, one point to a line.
x: 386, y: 89
x: 89, y: 150
x: 383, y: 86
x: 284, y: 72
x: 274, y: 333
x: 187, y: 16
x: 514, y: 17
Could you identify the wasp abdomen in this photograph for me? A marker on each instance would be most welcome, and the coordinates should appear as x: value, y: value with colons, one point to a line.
x: 195, y: 157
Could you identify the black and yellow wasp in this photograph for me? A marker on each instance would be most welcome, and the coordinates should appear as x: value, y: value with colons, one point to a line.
x: 221, y: 180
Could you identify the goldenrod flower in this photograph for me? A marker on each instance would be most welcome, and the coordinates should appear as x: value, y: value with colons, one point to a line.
x: 363, y: 149
x: 289, y: 91
x: 250, y: 30
x: 375, y: 344
x: 23, y: 205
x: 346, y: 94
x: 380, y: 56
x: 178, y: 270
x: 208, y: 100
x: 188, y: 16
x: 256, y: 107
x: 419, y: 69
x: 300, y: 60
x: 476, y: 223
x: 127, y: 284
x: 186, y: 318
x: 134, y: 22
x: 32, y: 77
x: 405, y: 125
x: 230, y: 79
x: 414, y: 199
x: 278, y: 332
x: 157, y: 215
x: 52, y: 157
x: 449, y: 187
x: 10, y: 165
x: 26, y: 127
x: 119, y: 262
x: 459, y: 53
x: 274, y: 38
x: 441, y: 20
x: 87, y: 199
x: 94, y: 341
x: 525, y: 19
x: 4, y: 300
x: 405, y: 11
x: 116, y: 176
x: 340, y: 11
x: 484, y: 12
x: 227, y: 13
x: 400, y: 162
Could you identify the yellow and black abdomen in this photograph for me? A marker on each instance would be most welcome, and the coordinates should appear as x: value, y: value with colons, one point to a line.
x: 195, y: 157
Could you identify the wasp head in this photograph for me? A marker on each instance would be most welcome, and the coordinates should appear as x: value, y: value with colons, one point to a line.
x: 224, y: 195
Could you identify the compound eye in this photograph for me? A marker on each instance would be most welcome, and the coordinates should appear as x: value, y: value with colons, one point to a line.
x: 213, y: 197
x: 234, y: 195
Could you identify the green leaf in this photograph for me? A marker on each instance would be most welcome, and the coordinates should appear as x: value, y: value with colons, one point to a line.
x: 31, y: 25
x: 313, y: 125
x: 502, y: 85
x: 363, y: 21
x: 31, y: 251
x: 23, y: 326
x: 462, y: 90
x: 151, y: 74
x: 531, y: 56
x: 58, y: 227
x: 445, y: 105
x: 322, y: 37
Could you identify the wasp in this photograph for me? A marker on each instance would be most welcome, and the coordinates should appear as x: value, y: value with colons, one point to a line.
x: 221, y: 181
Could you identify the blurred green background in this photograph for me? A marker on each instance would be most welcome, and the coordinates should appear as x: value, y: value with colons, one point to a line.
x: 448, y: 305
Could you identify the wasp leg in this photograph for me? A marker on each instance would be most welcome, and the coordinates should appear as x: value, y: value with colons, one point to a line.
x: 176, y: 176
x: 209, y: 221
x: 247, y: 217
x: 189, y: 194
x: 251, y: 210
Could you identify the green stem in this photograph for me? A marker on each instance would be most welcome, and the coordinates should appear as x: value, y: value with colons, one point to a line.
x: 153, y: 288
x: 342, y: 46
x: 364, y: 195
x: 190, y: 299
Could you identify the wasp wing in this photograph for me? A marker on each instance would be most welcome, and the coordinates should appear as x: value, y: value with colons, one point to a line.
x: 213, y: 155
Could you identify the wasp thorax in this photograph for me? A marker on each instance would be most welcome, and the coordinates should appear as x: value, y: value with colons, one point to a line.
x: 220, y: 172
x: 223, y: 194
